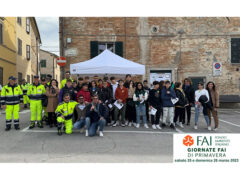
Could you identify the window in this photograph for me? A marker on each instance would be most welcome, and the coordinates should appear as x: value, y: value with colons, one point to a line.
x: 19, y: 47
x: 19, y: 78
x: 102, y: 46
x: 235, y: 50
x: 28, y: 78
x: 1, y: 76
x: 43, y: 63
x: 28, y: 25
x: 19, y: 20
x: 28, y: 52
x: 1, y: 33
x: 98, y: 47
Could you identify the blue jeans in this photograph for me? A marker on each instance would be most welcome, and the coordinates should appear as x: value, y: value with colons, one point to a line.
x: 79, y: 124
x: 94, y: 126
x: 141, y: 108
x: 197, y: 111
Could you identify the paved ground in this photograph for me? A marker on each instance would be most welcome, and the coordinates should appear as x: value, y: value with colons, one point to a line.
x: 118, y: 144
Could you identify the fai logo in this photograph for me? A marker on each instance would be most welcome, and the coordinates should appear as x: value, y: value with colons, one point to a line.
x: 188, y: 140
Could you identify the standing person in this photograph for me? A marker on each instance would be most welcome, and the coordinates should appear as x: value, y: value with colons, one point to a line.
x: 11, y: 97
x: 80, y: 83
x: 214, y: 100
x: 131, y: 109
x: 68, y: 89
x: 64, y: 81
x: 105, y: 97
x: 140, y: 96
x: 127, y: 80
x: 105, y: 78
x: 44, y: 82
x: 80, y: 115
x: 52, y: 92
x: 93, y: 89
x: 180, y: 105
x: 64, y: 113
x: 147, y: 89
x: 25, y: 87
x: 100, y: 83
x: 87, y: 81
x: 86, y: 94
x: 167, y: 94
x: 155, y: 102
x: 121, y: 96
x: 96, y: 114
x: 75, y: 90
x: 35, y: 93
x: 201, y: 100
x: 190, y: 93
x: 113, y: 87
x: 96, y: 78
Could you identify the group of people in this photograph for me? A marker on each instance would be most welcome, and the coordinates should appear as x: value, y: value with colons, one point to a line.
x: 92, y: 105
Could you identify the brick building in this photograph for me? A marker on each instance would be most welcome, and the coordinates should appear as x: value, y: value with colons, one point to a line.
x: 170, y: 47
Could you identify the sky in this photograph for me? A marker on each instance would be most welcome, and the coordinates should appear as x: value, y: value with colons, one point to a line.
x: 49, y: 32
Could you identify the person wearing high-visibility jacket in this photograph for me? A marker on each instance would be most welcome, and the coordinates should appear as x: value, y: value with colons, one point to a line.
x: 25, y: 87
x: 11, y: 96
x: 64, y: 114
x: 35, y: 92
x: 64, y: 81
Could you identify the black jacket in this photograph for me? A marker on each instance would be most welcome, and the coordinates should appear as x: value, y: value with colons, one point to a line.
x: 205, y: 103
x: 105, y: 94
x: 190, y: 93
x: 154, y: 98
x: 182, y: 99
x: 95, y: 115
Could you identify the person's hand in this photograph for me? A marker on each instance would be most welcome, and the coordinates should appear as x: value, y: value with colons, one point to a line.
x: 120, y: 101
x: 101, y: 118
x: 150, y: 107
x: 143, y: 97
x: 62, y: 116
x: 92, y: 108
x: 75, y: 92
x: 168, y: 92
x: 99, y: 101
x: 3, y: 106
x: 86, y: 102
x: 139, y: 99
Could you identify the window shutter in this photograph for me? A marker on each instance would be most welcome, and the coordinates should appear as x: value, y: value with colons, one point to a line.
x: 119, y: 48
x: 93, y: 49
x: 235, y: 50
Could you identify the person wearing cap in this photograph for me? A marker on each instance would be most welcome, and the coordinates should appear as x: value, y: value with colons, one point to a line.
x: 64, y: 81
x: 48, y: 78
x: 11, y: 96
x: 25, y: 87
x: 35, y: 92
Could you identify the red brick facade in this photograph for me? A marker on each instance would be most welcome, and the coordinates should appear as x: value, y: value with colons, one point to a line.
x: 185, y: 46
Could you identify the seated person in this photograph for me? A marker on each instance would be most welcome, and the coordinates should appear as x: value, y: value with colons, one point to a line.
x: 96, y: 114
x: 64, y: 114
x: 80, y: 115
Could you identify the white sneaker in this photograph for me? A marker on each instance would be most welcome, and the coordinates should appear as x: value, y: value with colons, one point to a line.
x: 215, y: 129
x: 177, y: 123
x: 86, y: 133
x: 158, y: 126
x: 137, y: 125
x: 209, y: 128
x: 134, y: 124
x: 181, y: 125
x: 126, y: 123
x: 154, y: 126
x: 195, y: 127
x: 146, y: 126
x: 129, y: 124
x: 100, y: 133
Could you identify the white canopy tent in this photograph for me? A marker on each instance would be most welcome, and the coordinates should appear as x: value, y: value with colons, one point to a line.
x: 107, y: 63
